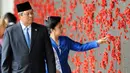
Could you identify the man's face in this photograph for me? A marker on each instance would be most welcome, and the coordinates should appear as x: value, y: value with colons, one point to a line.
x: 27, y: 16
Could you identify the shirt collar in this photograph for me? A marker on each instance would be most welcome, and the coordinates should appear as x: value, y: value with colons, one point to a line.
x: 11, y: 23
x: 23, y: 26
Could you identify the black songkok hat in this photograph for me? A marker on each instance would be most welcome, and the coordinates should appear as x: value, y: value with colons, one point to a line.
x: 23, y: 6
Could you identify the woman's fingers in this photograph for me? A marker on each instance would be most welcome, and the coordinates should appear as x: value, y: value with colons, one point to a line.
x: 103, y: 40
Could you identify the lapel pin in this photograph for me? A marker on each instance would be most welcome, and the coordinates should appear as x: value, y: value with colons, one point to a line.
x: 35, y: 29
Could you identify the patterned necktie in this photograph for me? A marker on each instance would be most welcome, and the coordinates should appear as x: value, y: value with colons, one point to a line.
x: 28, y: 40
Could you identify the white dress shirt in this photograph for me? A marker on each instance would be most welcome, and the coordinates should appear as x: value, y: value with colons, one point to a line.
x: 25, y: 27
x: 58, y: 66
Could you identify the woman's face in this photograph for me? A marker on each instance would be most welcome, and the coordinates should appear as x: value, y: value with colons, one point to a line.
x: 58, y: 29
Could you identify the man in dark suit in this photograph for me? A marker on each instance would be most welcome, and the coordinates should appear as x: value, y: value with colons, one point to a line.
x: 26, y: 45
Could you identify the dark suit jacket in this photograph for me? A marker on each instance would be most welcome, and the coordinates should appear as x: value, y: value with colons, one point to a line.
x: 18, y: 58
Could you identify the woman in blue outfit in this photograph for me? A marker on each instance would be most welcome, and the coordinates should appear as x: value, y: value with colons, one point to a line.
x: 63, y: 44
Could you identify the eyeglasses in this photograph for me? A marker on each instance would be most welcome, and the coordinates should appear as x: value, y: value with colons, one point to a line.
x: 27, y: 14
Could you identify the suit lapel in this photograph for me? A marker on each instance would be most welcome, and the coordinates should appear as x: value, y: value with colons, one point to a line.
x: 34, y: 32
x: 22, y: 37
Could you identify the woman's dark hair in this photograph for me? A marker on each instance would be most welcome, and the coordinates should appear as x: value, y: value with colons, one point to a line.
x: 52, y: 21
x: 10, y: 17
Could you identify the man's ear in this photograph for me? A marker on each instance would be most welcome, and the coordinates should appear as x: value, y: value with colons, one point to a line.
x: 20, y: 14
